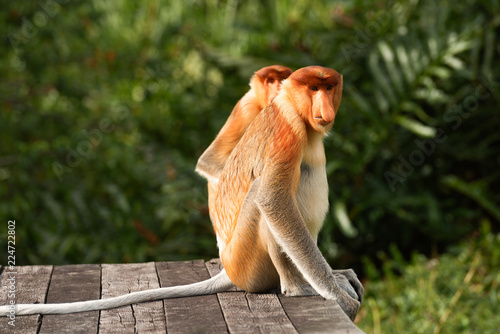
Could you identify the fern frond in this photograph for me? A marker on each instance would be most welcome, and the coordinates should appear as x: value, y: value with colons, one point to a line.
x: 408, y: 75
x: 394, y: 74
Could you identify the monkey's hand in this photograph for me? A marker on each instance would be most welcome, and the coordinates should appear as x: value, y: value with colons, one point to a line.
x: 345, y: 296
x: 353, y: 287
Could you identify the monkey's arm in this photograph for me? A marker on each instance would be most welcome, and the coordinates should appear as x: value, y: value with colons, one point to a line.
x: 280, y: 210
x: 213, y: 160
x: 276, y: 201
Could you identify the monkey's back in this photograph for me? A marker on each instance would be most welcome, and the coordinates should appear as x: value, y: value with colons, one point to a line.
x: 244, y: 165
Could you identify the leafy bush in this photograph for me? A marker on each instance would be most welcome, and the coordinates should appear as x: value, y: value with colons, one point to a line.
x: 455, y: 293
x: 106, y: 106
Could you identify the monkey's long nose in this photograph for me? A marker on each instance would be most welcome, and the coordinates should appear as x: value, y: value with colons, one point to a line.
x: 323, y: 110
x: 327, y: 113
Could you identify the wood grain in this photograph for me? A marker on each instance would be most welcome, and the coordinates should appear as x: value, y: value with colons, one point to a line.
x: 32, y: 283
x: 250, y: 313
x: 316, y: 315
x: 70, y: 284
x: 307, y: 314
x: 199, y: 314
x: 228, y: 312
x: 119, y: 279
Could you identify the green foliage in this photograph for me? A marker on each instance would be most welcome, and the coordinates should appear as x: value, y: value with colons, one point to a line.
x: 106, y: 106
x: 419, y: 96
x: 455, y: 293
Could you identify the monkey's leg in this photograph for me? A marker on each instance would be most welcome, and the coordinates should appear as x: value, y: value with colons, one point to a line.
x: 245, y: 256
x: 292, y: 283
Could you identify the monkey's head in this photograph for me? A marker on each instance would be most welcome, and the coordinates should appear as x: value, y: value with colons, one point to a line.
x: 266, y: 82
x: 315, y: 92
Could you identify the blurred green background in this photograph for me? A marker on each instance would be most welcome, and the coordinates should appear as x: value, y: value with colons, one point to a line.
x: 106, y: 106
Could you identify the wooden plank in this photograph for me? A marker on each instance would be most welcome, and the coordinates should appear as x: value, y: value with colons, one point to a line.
x: 119, y: 279
x: 214, y: 266
x: 317, y: 315
x: 70, y: 284
x: 250, y: 313
x: 31, y: 285
x: 198, y: 314
x: 308, y: 314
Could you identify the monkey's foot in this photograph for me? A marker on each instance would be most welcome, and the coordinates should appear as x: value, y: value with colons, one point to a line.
x: 349, y: 282
x: 298, y: 290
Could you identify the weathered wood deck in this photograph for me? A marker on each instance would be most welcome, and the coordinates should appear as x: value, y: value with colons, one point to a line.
x: 228, y: 312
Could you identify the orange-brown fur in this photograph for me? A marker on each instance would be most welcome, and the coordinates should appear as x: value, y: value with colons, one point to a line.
x: 272, y: 195
x: 264, y: 87
x: 246, y: 253
x: 274, y: 144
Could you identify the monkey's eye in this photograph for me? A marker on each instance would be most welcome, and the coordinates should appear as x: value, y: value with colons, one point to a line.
x: 314, y: 88
x: 329, y: 87
x: 271, y: 80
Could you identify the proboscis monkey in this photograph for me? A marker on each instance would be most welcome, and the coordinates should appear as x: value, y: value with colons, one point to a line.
x: 264, y: 86
x: 271, y: 200
x: 272, y: 195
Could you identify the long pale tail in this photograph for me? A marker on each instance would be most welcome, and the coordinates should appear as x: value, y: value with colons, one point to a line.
x: 218, y: 283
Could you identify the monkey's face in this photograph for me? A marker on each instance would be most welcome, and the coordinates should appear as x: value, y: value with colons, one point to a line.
x: 317, y: 92
x: 323, y: 112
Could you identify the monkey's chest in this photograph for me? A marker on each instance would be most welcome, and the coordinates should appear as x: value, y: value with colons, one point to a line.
x: 312, y: 197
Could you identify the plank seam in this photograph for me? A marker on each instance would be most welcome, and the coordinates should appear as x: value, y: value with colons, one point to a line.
x: 162, y: 300
x: 223, y: 313
x: 39, y: 316
x: 48, y: 285
x: 133, y: 317
x: 100, y: 297
x: 286, y: 313
x: 218, y: 299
